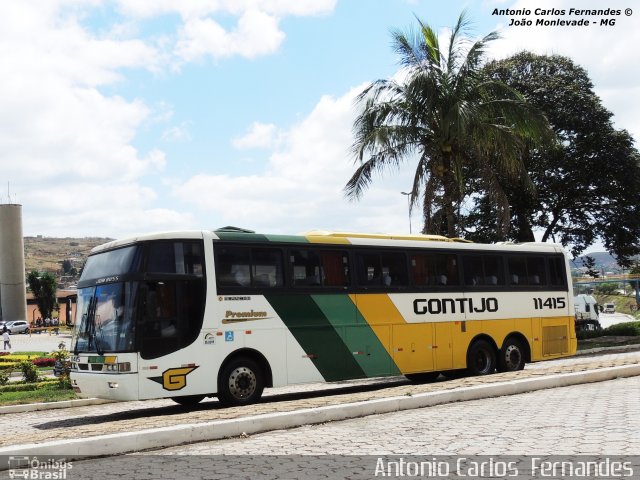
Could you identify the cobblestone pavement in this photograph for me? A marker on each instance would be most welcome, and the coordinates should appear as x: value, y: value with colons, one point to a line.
x: 591, y: 419
x: 78, y: 422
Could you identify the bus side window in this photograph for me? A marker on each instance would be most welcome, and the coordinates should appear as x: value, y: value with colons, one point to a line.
x: 305, y: 268
x: 369, y: 271
x: 473, y: 271
x: 382, y: 269
x: 394, y: 270
x: 266, y: 267
x: 183, y: 257
x: 483, y: 270
x: 556, y: 272
x: 536, y: 270
x: 335, y: 269
x: 436, y: 269
x: 310, y: 268
x: 233, y: 266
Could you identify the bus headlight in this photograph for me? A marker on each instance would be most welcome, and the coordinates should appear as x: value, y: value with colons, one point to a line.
x: 118, y: 367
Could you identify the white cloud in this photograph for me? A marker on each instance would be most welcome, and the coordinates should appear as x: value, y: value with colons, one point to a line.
x: 65, y: 146
x: 301, y: 187
x: 257, y: 33
x: 177, y: 133
x: 201, y: 8
x: 608, y: 53
x: 259, y: 135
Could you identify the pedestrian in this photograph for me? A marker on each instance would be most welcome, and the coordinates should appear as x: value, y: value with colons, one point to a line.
x: 6, y: 338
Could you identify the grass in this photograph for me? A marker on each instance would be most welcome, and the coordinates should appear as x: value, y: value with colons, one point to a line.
x: 31, y: 354
x: 43, y: 395
x: 627, y: 333
x: 47, y: 390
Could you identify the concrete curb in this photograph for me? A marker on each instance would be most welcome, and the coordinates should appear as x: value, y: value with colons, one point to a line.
x: 114, y: 444
x: 33, y: 407
x: 615, y: 349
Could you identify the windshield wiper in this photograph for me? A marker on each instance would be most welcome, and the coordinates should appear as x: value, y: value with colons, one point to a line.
x: 98, y: 333
x: 88, y: 323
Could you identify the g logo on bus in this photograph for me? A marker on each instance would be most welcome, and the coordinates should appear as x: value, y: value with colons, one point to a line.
x: 174, y: 378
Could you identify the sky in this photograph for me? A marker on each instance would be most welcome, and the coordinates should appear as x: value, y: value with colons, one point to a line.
x: 133, y: 116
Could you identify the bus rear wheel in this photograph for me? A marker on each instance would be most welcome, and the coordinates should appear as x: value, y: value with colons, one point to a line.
x: 241, y: 382
x: 481, y: 358
x: 511, y: 357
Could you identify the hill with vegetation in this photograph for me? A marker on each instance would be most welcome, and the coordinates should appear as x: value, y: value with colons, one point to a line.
x: 63, y: 257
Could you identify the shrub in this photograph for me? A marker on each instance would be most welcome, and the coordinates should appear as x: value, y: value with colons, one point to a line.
x: 15, y: 358
x: 44, y: 362
x: 4, y: 376
x: 629, y: 329
x: 29, y: 387
x: 584, y: 334
x: 29, y: 371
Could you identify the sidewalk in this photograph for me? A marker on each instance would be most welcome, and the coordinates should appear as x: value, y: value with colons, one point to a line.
x: 130, y: 417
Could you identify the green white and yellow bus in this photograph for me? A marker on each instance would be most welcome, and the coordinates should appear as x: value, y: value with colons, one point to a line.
x: 227, y: 313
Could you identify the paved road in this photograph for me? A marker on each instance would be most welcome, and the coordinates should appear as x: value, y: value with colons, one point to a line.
x: 42, y: 342
x: 608, y: 319
x: 599, y: 419
x: 34, y: 427
x: 592, y: 419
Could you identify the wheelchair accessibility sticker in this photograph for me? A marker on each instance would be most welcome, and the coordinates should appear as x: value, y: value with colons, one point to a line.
x: 228, y: 336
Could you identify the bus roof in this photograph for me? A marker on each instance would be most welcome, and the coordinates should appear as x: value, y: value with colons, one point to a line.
x: 336, y: 238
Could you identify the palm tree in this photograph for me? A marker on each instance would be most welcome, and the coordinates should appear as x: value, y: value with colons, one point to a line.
x: 449, y: 117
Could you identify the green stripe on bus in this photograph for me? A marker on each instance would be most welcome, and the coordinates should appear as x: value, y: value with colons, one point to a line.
x: 316, y: 336
x: 260, y: 238
x: 242, y: 237
x: 357, y: 335
x: 287, y: 238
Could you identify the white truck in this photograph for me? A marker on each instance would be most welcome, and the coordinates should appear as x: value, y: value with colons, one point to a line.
x: 587, y: 312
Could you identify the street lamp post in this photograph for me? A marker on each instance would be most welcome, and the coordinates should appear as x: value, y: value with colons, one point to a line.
x: 409, y: 202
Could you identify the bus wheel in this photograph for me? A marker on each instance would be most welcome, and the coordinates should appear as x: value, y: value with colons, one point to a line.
x: 511, y: 357
x: 188, y: 400
x: 427, y: 377
x: 481, y: 358
x: 241, y: 382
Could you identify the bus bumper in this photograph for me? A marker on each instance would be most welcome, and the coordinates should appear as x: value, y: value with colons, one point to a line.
x: 116, y: 386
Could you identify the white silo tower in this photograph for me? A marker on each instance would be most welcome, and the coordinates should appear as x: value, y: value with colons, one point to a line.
x: 13, y: 297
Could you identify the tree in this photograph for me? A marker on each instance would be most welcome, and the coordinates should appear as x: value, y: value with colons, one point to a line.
x: 590, y: 264
x: 453, y: 120
x: 43, y: 286
x: 66, y: 266
x: 586, y: 184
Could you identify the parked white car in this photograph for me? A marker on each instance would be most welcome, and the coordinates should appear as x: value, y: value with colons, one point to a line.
x: 609, y: 308
x: 17, y: 326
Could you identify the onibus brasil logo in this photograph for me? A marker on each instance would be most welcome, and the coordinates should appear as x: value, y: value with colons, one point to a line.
x: 32, y: 468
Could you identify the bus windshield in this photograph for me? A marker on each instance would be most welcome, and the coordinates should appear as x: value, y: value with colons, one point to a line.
x: 105, y: 317
x: 154, y: 311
